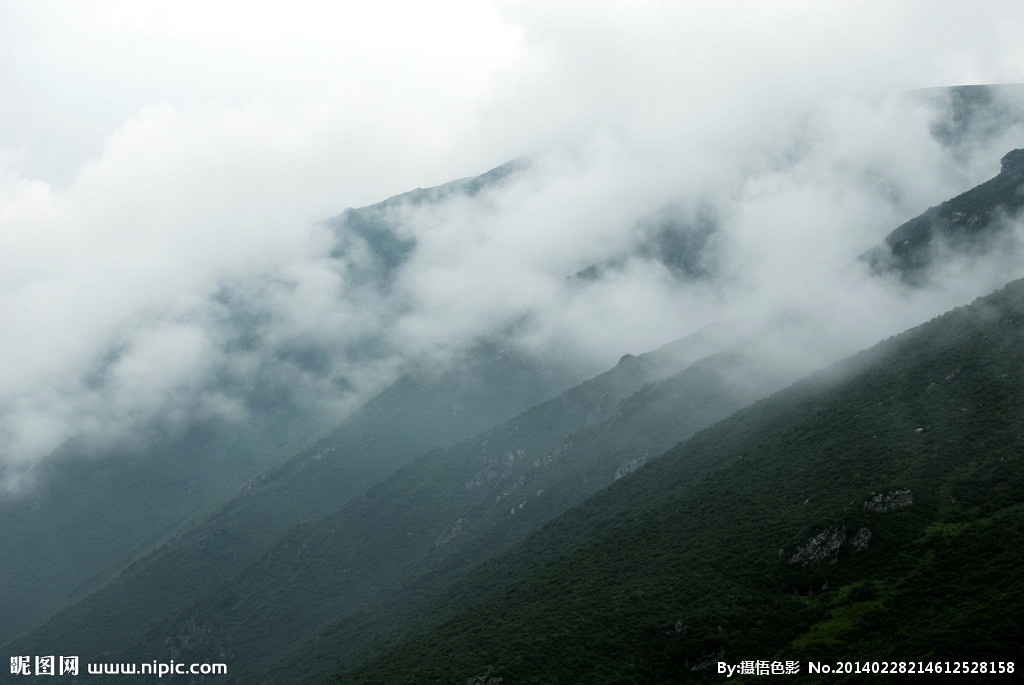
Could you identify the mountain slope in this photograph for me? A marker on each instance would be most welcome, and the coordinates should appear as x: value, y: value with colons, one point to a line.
x: 639, y: 427
x: 297, y: 587
x: 416, y: 414
x: 872, y: 512
x: 972, y: 223
x: 271, y: 596
x: 620, y: 435
x: 92, y: 511
x: 95, y: 509
x: 478, y: 498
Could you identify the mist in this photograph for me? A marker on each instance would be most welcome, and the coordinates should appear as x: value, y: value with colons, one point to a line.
x: 166, y: 248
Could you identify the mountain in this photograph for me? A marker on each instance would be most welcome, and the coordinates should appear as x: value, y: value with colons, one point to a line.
x: 650, y: 419
x: 686, y: 243
x: 972, y: 223
x: 419, y: 412
x: 872, y: 511
x: 680, y: 243
x: 377, y: 231
x: 363, y: 573
x: 364, y: 534
x: 94, y: 509
x: 973, y: 114
x: 283, y: 568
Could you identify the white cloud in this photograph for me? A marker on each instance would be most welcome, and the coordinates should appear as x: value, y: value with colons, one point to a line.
x: 155, y: 154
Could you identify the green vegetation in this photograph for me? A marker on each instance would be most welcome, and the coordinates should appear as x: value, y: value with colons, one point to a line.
x: 708, y: 553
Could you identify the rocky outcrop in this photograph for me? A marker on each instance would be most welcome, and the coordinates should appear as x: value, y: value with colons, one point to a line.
x: 450, y: 534
x: 630, y: 465
x: 822, y: 546
x: 860, y: 539
x: 888, y: 501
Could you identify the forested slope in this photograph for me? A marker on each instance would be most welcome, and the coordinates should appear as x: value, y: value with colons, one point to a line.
x: 873, y: 511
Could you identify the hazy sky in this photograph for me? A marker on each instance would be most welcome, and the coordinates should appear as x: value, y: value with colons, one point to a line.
x: 152, y: 151
x: 388, y: 95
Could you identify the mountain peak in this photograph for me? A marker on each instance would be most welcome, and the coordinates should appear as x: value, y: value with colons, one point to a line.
x: 1012, y: 161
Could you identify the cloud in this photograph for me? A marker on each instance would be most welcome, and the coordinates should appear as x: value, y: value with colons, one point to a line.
x: 166, y: 167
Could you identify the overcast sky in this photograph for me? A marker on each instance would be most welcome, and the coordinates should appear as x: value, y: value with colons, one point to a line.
x: 152, y: 151
x: 389, y: 95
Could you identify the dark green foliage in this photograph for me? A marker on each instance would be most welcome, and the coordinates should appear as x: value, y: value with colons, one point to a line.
x: 688, y: 561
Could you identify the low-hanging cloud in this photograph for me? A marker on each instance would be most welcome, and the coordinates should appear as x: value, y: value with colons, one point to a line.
x: 183, y: 271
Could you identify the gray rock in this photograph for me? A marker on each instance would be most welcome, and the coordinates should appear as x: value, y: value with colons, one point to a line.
x: 820, y: 547
x: 861, y: 538
x: 883, y: 502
